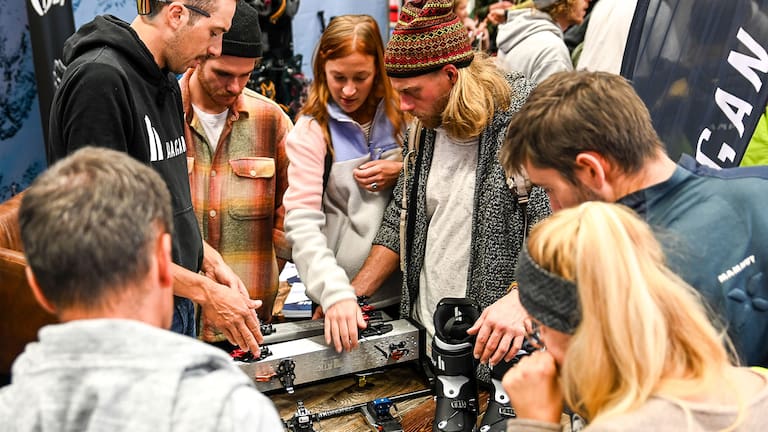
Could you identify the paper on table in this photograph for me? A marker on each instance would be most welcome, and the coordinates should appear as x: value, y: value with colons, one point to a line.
x: 297, y: 304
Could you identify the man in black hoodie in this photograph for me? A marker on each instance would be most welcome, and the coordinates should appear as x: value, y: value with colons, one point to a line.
x: 120, y: 91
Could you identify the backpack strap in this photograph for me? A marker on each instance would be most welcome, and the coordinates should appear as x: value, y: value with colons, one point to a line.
x: 521, y: 184
x: 328, y: 158
x: 327, y: 171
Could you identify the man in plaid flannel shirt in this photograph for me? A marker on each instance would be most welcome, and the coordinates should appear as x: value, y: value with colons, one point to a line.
x: 237, y: 163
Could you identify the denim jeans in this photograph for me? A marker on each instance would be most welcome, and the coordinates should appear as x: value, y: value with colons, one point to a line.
x: 183, y: 317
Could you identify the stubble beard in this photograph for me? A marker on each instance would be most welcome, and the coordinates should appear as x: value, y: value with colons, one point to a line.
x: 435, y: 118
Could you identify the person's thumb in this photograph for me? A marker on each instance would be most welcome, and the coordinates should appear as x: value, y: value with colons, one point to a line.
x: 360, y: 321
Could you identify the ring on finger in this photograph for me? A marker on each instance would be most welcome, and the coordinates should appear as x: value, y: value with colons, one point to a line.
x: 374, y: 186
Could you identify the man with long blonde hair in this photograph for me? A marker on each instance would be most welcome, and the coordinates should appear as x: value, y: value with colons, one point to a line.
x: 463, y: 224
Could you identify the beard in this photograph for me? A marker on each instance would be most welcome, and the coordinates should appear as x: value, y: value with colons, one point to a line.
x: 434, y: 118
x: 431, y: 121
x: 584, y: 194
x: 174, y: 62
x: 216, y: 93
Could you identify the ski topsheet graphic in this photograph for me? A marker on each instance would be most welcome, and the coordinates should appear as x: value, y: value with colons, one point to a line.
x: 701, y: 66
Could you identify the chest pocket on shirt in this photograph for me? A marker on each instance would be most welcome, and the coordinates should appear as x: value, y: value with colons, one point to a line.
x: 251, y: 188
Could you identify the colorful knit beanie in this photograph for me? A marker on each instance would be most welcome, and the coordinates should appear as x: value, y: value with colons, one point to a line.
x: 427, y: 37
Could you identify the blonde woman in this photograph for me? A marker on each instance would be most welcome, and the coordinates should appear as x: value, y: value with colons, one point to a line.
x: 345, y: 153
x: 630, y: 345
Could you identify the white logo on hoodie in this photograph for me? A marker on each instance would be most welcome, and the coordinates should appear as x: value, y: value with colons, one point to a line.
x: 43, y: 6
x: 173, y: 148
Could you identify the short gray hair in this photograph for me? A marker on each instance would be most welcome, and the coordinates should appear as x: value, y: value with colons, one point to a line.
x: 88, y: 224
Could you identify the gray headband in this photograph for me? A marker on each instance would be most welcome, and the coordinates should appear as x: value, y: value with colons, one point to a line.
x: 541, y: 4
x: 547, y: 297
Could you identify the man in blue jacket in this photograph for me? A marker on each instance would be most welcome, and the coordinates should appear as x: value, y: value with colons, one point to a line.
x: 588, y: 136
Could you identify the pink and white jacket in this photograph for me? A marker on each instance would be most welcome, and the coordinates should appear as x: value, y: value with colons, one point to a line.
x: 331, y: 230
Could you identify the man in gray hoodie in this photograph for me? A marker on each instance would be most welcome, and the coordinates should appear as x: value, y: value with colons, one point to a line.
x: 531, y: 40
x: 96, y: 231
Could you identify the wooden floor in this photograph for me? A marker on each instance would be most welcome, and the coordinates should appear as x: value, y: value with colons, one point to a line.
x: 417, y: 414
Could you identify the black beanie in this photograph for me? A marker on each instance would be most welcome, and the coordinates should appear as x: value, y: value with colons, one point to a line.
x: 244, y: 36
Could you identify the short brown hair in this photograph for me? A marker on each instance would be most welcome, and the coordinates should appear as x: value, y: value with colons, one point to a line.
x: 574, y: 112
x: 209, y: 6
x: 88, y: 225
x: 561, y: 8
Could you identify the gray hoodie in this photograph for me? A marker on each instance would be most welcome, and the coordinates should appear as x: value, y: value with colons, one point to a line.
x: 122, y: 375
x: 531, y: 43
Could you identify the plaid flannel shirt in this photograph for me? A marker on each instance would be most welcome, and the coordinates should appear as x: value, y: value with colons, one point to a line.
x: 237, y: 191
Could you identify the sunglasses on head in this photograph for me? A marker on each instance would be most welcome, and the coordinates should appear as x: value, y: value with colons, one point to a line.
x: 144, y: 7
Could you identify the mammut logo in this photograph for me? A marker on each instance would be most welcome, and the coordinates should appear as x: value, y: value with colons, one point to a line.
x: 733, y: 271
x: 43, y: 6
x: 173, y: 148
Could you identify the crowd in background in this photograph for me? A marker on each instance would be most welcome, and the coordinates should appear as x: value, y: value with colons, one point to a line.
x: 487, y: 157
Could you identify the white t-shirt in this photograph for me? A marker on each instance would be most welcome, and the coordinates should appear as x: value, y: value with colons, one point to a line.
x: 606, y: 36
x: 213, y: 124
x: 450, y: 204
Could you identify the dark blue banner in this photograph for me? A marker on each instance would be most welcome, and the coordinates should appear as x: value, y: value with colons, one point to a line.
x: 701, y: 66
x: 50, y: 24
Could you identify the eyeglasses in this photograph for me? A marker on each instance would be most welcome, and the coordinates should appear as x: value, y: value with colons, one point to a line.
x: 143, y: 7
x: 534, y: 337
x: 196, y: 9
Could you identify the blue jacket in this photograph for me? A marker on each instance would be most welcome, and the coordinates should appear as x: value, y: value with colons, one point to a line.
x: 715, y: 234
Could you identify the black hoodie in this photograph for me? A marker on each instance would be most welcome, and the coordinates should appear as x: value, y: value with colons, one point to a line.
x: 114, y: 95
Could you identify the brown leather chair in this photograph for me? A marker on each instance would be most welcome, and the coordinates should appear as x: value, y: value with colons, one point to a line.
x: 10, y: 237
x: 20, y: 315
